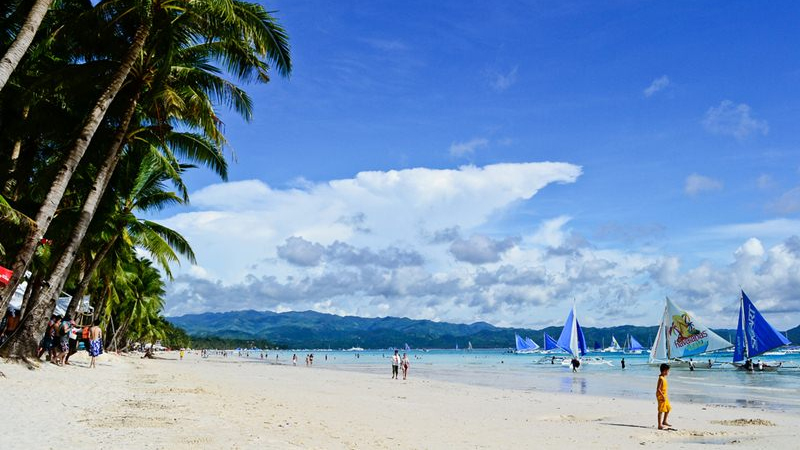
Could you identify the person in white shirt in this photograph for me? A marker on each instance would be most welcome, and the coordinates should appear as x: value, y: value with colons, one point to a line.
x: 395, y: 365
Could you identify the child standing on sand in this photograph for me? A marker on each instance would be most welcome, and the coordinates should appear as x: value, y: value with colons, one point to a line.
x: 663, y: 400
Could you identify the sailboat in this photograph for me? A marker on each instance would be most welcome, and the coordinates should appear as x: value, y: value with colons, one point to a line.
x: 573, y: 341
x: 550, y: 344
x: 632, y: 346
x: 407, y: 348
x: 614, y: 348
x: 681, y: 336
x: 525, y: 345
x: 469, y: 346
x: 754, y: 336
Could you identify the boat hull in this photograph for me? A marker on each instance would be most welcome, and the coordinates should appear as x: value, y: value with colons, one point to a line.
x: 764, y: 368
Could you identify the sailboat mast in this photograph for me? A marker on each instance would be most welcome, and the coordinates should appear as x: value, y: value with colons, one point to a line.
x: 744, y: 328
x: 664, y: 330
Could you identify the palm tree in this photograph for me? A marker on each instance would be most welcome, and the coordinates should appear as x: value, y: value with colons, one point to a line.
x: 180, y: 84
x: 22, y: 40
x: 90, y: 125
x: 138, y: 309
x: 140, y: 187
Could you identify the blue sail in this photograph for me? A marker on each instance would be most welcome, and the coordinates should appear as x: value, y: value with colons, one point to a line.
x: 754, y: 335
x: 531, y: 345
x: 572, y: 340
x: 550, y: 343
x: 581, y: 338
x: 520, y: 343
x: 635, y: 345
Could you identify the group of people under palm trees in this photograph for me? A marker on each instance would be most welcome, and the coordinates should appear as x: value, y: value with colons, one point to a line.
x: 62, y: 337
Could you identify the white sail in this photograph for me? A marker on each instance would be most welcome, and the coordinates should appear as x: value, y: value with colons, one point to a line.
x: 686, y: 336
x: 614, y: 343
x: 659, y: 350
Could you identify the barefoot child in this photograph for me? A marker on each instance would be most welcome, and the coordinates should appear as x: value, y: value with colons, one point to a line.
x: 663, y: 401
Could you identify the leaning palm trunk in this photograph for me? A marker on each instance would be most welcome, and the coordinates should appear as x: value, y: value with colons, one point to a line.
x: 59, y: 185
x: 23, y: 40
x: 16, y: 150
x: 44, y: 303
x: 80, y: 291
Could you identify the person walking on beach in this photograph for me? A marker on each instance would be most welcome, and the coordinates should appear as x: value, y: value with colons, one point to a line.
x: 95, y: 342
x: 294, y: 359
x: 663, y: 400
x: 623, y: 362
x: 395, y: 365
x: 405, y: 362
x: 575, y: 363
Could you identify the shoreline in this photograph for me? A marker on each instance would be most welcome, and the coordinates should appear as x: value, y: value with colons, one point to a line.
x: 127, y: 402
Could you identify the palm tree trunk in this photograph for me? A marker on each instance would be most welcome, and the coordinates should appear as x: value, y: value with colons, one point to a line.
x: 80, y: 291
x: 23, y: 40
x: 16, y: 150
x: 33, y: 286
x: 44, y: 303
x: 59, y: 185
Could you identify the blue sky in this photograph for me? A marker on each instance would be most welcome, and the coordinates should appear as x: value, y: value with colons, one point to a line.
x: 679, y: 117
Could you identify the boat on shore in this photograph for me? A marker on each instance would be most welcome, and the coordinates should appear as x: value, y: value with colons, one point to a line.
x: 754, y: 337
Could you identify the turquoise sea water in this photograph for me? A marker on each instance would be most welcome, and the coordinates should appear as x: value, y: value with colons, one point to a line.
x: 720, y: 385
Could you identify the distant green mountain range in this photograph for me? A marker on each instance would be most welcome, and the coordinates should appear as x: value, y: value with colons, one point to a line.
x: 310, y: 329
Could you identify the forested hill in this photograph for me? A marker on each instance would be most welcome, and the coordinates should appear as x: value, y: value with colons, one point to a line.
x: 309, y: 329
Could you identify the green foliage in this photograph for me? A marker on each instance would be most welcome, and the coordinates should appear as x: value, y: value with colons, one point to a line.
x: 174, y: 337
x: 196, y: 58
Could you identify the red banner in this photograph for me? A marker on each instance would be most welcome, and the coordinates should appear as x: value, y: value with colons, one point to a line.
x: 5, y: 275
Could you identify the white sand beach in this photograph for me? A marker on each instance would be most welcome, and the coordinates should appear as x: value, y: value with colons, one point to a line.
x: 129, y: 402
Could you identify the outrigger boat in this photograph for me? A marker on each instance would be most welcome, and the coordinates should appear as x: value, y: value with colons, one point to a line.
x: 633, y: 347
x: 681, y: 336
x: 525, y: 345
x: 754, y: 336
x: 573, y: 342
